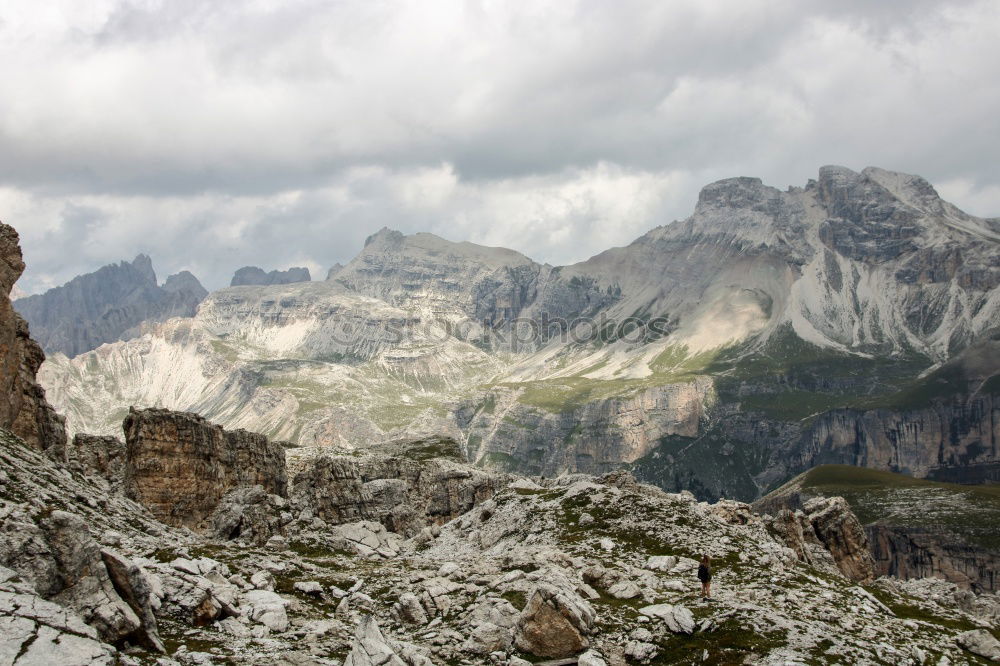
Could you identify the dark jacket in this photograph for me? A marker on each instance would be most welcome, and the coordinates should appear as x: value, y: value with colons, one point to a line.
x: 704, y: 573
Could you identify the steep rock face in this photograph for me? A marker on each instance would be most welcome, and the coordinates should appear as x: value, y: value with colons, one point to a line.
x: 955, y: 440
x: 839, y: 531
x: 179, y: 465
x: 108, y: 305
x: 403, y: 485
x: 909, y: 552
x: 551, y: 435
x: 251, y: 275
x: 826, y: 532
x: 24, y: 410
x: 98, y: 455
x: 913, y: 528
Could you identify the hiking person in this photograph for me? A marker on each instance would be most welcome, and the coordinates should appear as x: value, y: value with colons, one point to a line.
x: 705, y: 576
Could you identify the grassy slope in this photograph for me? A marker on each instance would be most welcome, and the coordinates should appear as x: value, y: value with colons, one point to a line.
x: 972, y: 512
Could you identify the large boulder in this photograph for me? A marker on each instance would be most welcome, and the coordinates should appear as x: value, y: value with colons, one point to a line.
x: 136, y: 589
x: 63, y: 562
x: 34, y: 631
x: 554, y: 623
x: 371, y: 648
x: 980, y: 642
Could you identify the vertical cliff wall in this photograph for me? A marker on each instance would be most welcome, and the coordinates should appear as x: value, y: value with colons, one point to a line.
x: 25, y: 411
x: 179, y: 465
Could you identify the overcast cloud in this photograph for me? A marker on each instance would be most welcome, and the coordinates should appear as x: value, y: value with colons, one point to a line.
x: 279, y: 133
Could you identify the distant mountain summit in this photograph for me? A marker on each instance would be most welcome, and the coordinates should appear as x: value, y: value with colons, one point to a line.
x: 251, y: 275
x: 107, y: 305
x: 840, y: 322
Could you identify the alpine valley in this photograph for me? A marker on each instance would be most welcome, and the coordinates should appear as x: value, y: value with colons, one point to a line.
x: 450, y: 454
x: 854, y: 320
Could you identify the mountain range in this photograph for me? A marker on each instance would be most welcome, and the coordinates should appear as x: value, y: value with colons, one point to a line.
x: 853, y: 320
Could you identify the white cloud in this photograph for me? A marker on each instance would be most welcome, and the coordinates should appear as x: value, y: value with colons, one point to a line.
x: 217, y: 134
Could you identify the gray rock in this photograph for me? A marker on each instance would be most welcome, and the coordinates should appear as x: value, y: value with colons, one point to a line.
x: 980, y: 642
x: 370, y: 647
x: 36, y: 632
x: 267, y: 608
x: 63, y: 562
x: 677, y: 619
x: 134, y: 587
x: 251, y: 275
x: 107, y: 305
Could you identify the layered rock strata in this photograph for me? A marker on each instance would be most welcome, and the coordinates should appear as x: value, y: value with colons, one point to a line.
x: 23, y: 409
x: 179, y: 465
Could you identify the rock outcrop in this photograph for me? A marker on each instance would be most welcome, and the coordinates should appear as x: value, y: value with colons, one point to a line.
x: 23, y: 407
x: 914, y: 528
x: 99, y: 455
x: 34, y: 631
x: 180, y: 466
x: 108, y: 305
x: 405, y: 485
x: 838, y: 529
x: 251, y: 275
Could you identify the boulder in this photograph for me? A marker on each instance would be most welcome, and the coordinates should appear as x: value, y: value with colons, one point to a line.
x: 366, y: 538
x: 677, y: 619
x: 34, y: 631
x: 370, y: 647
x: 134, y: 587
x: 980, y: 642
x: 554, y: 623
x: 267, y: 608
x: 63, y: 562
x: 409, y: 609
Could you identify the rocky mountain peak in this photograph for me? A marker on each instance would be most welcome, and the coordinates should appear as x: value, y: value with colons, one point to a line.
x: 334, y: 270
x: 107, y: 305
x: 184, y: 282
x: 740, y: 192
x: 143, y: 265
x: 385, y: 236
x: 254, y: 276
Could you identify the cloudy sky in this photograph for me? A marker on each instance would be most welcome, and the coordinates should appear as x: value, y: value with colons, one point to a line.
x: 212, y: 135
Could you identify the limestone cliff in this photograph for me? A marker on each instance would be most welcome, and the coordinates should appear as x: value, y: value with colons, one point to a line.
x: 179, y: 465
x: 404, y: 485
x: 23, y: 409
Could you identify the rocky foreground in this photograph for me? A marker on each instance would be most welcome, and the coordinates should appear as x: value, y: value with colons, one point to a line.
x: 478, y: 568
